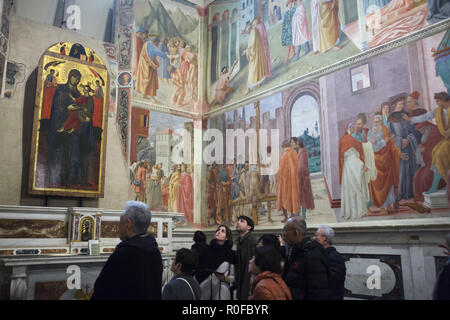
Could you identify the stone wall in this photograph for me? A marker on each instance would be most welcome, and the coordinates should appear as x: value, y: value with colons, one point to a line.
x: 28, y: 41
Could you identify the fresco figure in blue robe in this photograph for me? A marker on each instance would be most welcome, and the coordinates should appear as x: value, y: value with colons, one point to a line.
x: 438, y: 10
x: 407, y: 139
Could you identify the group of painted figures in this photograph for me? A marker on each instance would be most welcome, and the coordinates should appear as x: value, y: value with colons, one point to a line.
x: 232, y: 186
x: 401, y: 158
x: 172, y: 61
x: 173, y: 193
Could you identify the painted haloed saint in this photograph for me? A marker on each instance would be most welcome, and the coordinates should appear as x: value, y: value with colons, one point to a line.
x: 70, y: 123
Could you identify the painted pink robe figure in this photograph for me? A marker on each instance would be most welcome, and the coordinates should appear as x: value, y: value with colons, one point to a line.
x: 186, y: 196
x: 304, y: 180
x: 263, y: 34
x: 300, y: 29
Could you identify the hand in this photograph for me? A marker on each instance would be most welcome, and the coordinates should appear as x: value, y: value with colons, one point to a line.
x: 404, y: 156
x: 405, y: 143
x: 422, y: 149
x: 405, y: 117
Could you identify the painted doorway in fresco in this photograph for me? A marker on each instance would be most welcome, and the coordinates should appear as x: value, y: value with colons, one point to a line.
x: 305, y: 124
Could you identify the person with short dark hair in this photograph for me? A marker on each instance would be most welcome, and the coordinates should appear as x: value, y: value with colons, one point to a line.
x: 245, y: 248
x: 215, y: 271
x: 134, y: 269
x: 325, y: 236
x: 272, y: 240
x: 268, y: 284
x: 183, y: 286
x: 306, y: 271
x: 200, y: 246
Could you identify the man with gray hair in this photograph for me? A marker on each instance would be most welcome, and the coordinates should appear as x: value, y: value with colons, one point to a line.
x: 325, y: 236
x: 134, y: 270
x: 306, y: 271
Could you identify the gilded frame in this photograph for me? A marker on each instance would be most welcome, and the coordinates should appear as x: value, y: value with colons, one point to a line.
x: 68, y: 147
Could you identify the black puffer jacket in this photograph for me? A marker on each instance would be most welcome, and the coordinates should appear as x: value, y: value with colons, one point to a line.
x: 306, y: 271
x: 211, y: 258
x: 337, y: 273
x: 133, y: 271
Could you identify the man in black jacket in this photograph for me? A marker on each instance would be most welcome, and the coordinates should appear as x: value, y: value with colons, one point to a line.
x: 245, y: 249
x: 325, y: 236
x: 306, y: 271
x: 134, y: 270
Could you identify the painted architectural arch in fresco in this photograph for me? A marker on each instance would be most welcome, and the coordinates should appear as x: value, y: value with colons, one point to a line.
x: 70, y: 121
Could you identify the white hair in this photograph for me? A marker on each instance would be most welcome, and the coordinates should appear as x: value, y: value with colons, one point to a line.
x: 327, y: 232
x: 140, y: 216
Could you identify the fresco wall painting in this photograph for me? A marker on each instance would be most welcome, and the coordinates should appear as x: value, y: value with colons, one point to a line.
x: 368, y: 157
x: 285, y: 40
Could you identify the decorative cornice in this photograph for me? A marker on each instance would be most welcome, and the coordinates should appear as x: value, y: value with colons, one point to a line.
x: 29, y: 210
x: 392, y: 45
x: 164, y: 109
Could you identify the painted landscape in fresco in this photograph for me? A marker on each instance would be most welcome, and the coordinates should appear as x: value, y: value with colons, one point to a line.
x: 165, y: 55
x: 155, y: 178
x: 257, y: 45
x: 378, y: 160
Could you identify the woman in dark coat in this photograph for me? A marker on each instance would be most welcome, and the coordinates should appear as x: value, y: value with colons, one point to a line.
x: 215, y: 271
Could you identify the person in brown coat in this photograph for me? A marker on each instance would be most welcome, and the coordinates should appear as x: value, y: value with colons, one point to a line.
x: 268, y: 283
x: 304, y: 180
